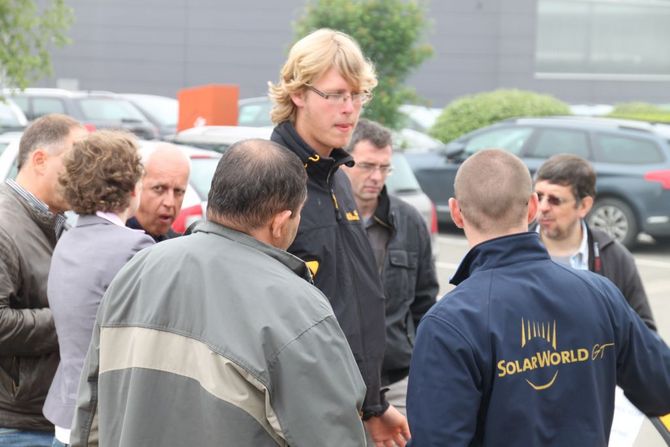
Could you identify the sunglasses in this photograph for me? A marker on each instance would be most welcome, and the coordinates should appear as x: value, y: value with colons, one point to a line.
x: 551, y: 199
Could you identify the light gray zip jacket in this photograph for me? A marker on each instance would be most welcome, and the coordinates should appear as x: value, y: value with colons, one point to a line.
x: 218, y: 339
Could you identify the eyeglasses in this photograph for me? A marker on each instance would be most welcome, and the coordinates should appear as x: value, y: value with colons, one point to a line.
x: 551, y: 199
x: 357, y: 99
x: 369, y: 168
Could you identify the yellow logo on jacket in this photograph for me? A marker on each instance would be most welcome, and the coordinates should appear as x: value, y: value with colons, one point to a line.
x: 353, y: 215
x: 541, y: 366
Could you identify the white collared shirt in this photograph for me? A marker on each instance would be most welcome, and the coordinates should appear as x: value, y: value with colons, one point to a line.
x: 580, y: 259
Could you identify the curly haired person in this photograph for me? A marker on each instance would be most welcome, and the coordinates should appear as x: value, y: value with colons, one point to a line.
x: 101, y: 182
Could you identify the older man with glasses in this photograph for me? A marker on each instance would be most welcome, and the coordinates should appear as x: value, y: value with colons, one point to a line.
x: 566, y: 187
x: 401, y: 244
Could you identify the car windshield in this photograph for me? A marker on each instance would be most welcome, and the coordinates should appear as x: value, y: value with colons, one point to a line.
x: 3, y: 146
x: 402, y: 178
x: 202, y: 172
x: 110, y: 109
x: 255, y: 114
x: 7, y: 117
x: 164, y: 110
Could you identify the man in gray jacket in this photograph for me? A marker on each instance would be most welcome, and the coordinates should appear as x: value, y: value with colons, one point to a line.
x: 31, y: 221
x: 218, y: 338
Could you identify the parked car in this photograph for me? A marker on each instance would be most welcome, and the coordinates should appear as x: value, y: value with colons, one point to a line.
x: 403, y: 184
x: 219, y: 138
x: 254, y: 112
x: 161, y: 111
x: 632, y: 163
x: 9, y: 150
x: 96, y: 110
x: 12, y: 118
x: 203, y: 165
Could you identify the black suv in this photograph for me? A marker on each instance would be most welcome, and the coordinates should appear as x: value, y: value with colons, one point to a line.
x: 96, y: 110
x: 631, y: 160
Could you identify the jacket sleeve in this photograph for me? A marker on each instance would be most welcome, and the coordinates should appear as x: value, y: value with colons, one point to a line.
x: 445, y: 387
x: 633, y: 289
x: 426, y: 278
x: 317, y: 390
x: 643, y: 362
x: 85, y: 424
x: 22, y: 331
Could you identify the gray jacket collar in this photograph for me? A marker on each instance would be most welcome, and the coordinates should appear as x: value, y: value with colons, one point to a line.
x: 294, y: 263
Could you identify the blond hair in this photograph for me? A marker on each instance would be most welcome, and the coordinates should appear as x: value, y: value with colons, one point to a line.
x: 309, y: 59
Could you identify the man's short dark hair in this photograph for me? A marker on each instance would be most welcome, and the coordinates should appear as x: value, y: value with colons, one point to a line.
x: 48, y: 131
x: 377, y: 134
x: 569, y: 170
x: 255, y: 180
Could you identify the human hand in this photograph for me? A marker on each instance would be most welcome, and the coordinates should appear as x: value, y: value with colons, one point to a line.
x: 388, y: 430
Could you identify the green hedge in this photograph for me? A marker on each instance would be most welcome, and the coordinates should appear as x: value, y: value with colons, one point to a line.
x: 472, y: 112
x: 641, y: 111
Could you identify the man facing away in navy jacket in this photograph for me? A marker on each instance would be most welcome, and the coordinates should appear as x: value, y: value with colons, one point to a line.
x: 525, y: 351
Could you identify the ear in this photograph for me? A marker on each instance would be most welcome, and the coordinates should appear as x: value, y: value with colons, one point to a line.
x: 455, y: 211
x: 585, y: 206
x: 38, y: 159
x: 533, y: 207
x: 298, y: 98
x: 278, y: 224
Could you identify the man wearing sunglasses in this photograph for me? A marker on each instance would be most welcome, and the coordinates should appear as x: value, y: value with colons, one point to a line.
x: 401, y: 245
x: 566, y: 187
x: 323, y: 86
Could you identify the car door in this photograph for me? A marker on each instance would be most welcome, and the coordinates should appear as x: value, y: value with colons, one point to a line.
x: 436, y: 169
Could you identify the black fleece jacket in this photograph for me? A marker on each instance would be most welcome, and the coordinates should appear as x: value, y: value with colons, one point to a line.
x: 333, y: 243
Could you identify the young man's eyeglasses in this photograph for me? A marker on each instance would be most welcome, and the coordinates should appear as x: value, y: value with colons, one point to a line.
x: 551, y: 199
x: 369, y: 168
x: 341, y: 98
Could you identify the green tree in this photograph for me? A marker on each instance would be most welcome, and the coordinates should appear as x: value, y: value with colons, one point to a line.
x: 27, y: 33
x: 474, y: 111
x: 388, y: 32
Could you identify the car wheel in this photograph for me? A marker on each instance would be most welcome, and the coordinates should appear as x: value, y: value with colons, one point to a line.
x: 616, y: 218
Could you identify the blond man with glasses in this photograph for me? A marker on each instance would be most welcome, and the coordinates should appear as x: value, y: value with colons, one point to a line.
x: 318, y: 99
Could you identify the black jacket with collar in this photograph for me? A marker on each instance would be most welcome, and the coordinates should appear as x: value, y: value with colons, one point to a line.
x: 616, y: 263
x: 409, y: 280
x: 609, y: 258
x: 135, y: 225
x: 333, y: 243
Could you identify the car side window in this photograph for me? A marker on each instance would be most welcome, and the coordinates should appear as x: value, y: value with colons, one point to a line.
x: 23, y: 104
x: 627, y: 150
x: 510, y: 139
x: 560, y: 141
x: 45, y: 106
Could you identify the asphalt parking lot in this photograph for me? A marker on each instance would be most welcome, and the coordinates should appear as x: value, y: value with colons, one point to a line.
x: 653, y: 261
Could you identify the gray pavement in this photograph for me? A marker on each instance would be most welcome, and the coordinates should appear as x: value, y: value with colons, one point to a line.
x: 653, y: 261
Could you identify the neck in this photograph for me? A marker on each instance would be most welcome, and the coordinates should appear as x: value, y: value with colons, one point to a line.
x: 319, y: 148
x: 124, y: 215
x: 367, y: 207
x: 28, y: 182
x: 475, y: 237
x: 563, y: 247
